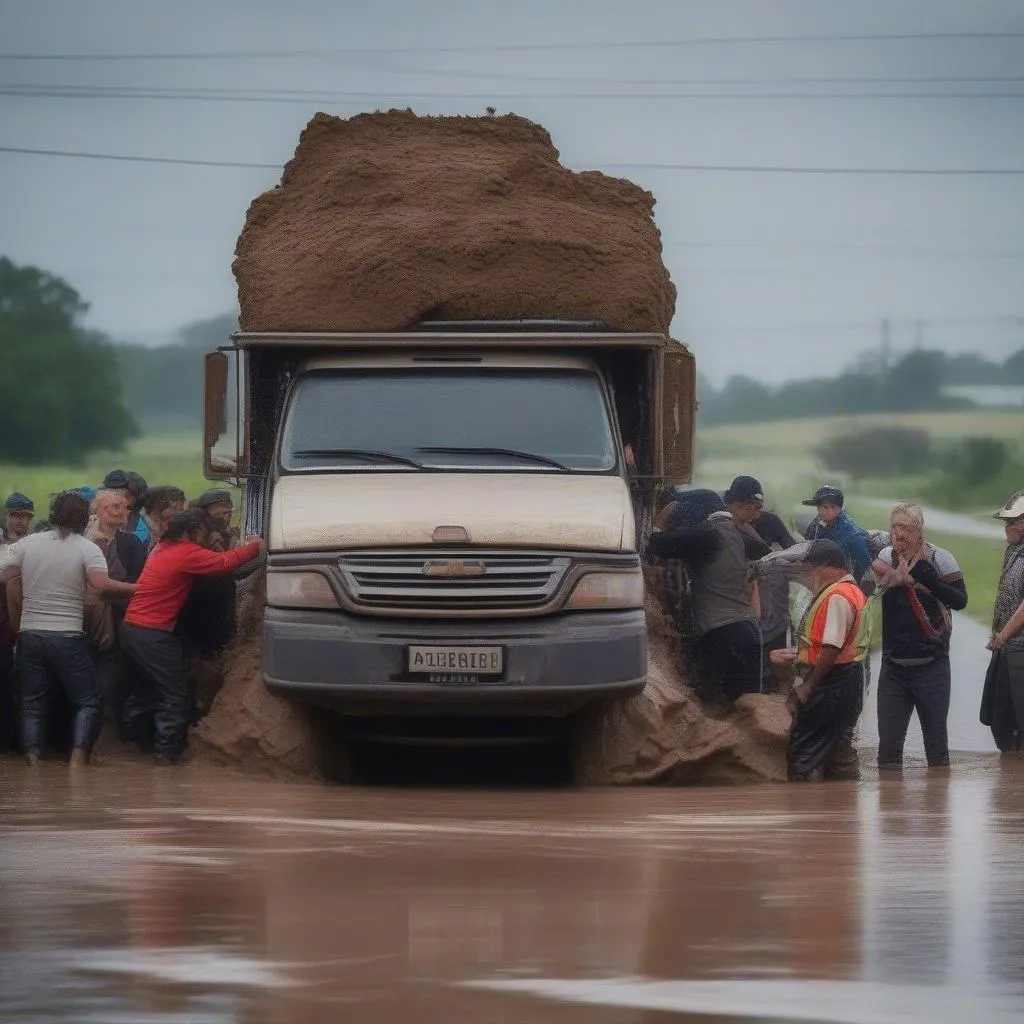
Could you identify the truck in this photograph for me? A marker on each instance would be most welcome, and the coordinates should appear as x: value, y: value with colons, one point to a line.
x: 454, y: 514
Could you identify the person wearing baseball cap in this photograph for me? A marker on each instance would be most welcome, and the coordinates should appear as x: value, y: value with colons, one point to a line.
x: 1007, y: 643
x: 19, y: 512
x: 831, y: 646
x: 745, y: 500
x: 834, y: 523
x: 698, y: 530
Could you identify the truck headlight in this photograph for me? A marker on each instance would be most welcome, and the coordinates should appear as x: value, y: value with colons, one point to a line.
x: 299, y: 590
x: 608, y: 590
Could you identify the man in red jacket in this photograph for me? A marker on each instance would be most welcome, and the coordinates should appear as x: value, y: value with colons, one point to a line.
x: 148, y: 634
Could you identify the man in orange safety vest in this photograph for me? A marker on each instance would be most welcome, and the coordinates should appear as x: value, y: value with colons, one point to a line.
x: 832, y: 644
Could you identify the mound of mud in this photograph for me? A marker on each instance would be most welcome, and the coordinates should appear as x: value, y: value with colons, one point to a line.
x: 249, y: 728
x: 659, y: 736
x: 384, y: 219
x: 663, y: 736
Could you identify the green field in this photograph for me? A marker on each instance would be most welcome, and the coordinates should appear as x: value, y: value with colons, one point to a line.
x: 781, y: 453
x: 170, y: 459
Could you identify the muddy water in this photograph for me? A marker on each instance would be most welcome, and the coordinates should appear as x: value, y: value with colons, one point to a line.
x: 183, y: 895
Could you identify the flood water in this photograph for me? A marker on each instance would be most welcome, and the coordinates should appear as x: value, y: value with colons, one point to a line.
x: 137, y: 894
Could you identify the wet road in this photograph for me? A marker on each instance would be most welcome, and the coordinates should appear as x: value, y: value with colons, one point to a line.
x: 137, y: 894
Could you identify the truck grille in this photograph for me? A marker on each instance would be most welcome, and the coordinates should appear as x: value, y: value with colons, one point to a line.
x: 513, y: 582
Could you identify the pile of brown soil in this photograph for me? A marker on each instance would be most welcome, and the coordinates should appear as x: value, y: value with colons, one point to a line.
x: 250, y: 728
x: 384, y: 219
x: 659, y: 736
x: 663, y: 736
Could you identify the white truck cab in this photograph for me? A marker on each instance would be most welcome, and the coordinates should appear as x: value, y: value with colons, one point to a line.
x: 452, y: 513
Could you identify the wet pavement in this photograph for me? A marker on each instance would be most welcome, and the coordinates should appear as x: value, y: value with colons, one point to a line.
x: 136, y: 894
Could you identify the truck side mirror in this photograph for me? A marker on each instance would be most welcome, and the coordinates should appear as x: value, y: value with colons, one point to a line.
x: 678, y: 413
x: 223, y: 464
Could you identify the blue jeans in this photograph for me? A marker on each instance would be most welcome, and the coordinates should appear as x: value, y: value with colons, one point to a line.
x: 46, y: 660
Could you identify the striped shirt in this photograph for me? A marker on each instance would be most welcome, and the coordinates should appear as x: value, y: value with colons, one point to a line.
x: 1011, y: 594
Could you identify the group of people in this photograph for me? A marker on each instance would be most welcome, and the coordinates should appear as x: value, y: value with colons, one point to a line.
x: 730, y: 564
x: 106, y: 602
x: 103, y: 605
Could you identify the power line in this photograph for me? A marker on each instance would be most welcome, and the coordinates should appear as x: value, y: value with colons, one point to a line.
x: 564, y: 79
x: 782, y: 169
x: 725, y: 168
x: 933, y: 323
x: 865, y: 37
x: 843, y: 249
x: 359, y: 97
x: 139, y: 159
x: 785, y: 80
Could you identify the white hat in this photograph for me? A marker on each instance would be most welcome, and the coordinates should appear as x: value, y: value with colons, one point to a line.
x: 1013, y: 509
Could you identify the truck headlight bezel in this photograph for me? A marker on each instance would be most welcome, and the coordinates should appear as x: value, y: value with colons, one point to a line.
x: 604, y: 591
x: 300, y: 588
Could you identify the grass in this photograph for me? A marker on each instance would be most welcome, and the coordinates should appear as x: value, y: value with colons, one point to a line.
x: 800, y: 436
x: 165, y: 459
x: 781, y: 453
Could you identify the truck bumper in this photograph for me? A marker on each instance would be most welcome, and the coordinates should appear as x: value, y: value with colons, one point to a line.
x: 553, y: 665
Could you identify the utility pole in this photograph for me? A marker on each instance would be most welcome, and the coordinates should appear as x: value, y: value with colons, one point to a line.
x: 918, y: 335
x: 886, y: 346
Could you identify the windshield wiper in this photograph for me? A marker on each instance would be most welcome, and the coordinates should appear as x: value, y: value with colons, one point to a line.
x: 366, y: 454
x: 467, y: 450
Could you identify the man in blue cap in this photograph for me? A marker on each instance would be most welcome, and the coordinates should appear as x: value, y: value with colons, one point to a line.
x: 19, y: 511
x: 836, y: 524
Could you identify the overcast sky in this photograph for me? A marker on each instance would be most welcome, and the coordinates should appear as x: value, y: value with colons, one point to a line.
x: 779, y: 274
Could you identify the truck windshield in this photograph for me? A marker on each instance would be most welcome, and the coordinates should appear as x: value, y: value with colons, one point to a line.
x: 543, y: 421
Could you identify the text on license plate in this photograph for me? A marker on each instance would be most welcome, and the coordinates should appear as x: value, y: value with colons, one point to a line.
x: 477, y: 660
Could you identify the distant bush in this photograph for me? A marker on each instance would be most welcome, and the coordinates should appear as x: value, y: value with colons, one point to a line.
x: 977, y: 460
x: 876, y: 452
x: 976, y: 471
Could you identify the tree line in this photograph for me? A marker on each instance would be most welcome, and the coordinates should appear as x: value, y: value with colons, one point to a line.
x: 914, y: 383
x: 66, y: 390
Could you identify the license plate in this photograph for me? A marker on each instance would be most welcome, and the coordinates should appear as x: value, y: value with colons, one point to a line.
x: 469, y: 661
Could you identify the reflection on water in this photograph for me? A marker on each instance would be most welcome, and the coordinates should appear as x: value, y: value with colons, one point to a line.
x: 146, y: 895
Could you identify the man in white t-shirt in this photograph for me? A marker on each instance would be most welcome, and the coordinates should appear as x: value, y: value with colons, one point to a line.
x: 55, y: 569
